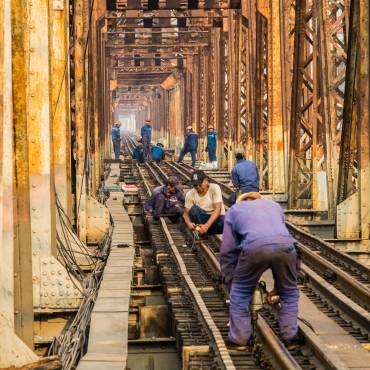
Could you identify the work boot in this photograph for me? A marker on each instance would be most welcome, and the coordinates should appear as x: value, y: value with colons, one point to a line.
x: 294, y: 342
x: 234, y: 346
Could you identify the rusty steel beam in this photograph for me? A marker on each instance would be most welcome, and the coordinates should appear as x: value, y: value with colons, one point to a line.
x: 308, y: 188
x: 123, y: 5
x: 23, y: 286
x: 353, y: 213
x: 262, y: 97
x: 80, y: 118
x: 16, y: 318
x: 332, y: 19
x: 276, y: 176
x: 59, y: 105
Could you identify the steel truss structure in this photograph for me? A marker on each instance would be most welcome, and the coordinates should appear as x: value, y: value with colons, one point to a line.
x: 287, y: 80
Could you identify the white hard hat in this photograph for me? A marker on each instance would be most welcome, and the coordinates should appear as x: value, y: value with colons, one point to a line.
x: 189, y: 127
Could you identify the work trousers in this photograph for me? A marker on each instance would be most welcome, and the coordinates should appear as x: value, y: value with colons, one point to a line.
x: 252, y: 263
x: 212, y: 154
x: 162, y: 208
x: 116, y: 148
x: 200, y: 217
x: 185, y: 151
x: 146, y: 146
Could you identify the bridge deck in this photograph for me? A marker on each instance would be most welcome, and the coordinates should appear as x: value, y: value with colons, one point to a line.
x: 107, y: 348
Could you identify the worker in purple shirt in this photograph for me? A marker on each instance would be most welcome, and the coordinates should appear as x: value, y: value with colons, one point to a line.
x: 255, y: 239
x: 164, y: 200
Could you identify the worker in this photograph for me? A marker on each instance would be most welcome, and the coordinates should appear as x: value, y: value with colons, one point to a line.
x: 164, y: 200
x: 116, y: 139
x: 158, y: 153
x: 204, y: 208
x: 244, y: 176
x: 211, y: 144
x: 146, y: 137
x: 255, y: 239
x: 190, y: 146
x: 138, y: 153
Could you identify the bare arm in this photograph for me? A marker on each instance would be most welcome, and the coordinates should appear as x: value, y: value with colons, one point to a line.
x: 214, y: 216
x: 188, y: 222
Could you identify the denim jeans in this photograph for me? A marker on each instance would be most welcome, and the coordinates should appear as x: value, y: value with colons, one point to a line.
x: 185, y: 151
x: 116, y: 147
x: 199, y: 216
x: 146, y: 146
x: 212, y: 154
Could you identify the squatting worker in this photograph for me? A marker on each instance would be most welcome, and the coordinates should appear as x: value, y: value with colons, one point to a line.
x: 190, y: 146
x: 211, y: 144
x: 138, y: 152
x: 146, y: 138
x: 158, y: 153
x: 255, y: 239
x: 116, y: 139
x: 164, y: 200
x: 244, y: 176
x: 204, y: 208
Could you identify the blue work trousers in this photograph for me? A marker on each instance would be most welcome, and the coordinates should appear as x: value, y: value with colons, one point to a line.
x: 200, y: 217
x: 116, y: 148
x: 185, y: 151
x: 252, y: 263
x: 146, y: 146
x: 212, y: 154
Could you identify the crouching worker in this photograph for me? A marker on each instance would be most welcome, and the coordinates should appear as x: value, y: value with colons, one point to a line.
x: 204, y: 208
x: 255, y: 239
x: 164, y: 200
x: 158, y: 153
x: 138, y: 153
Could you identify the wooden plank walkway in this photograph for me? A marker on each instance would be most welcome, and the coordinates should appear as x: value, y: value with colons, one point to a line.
x: 107, y: 348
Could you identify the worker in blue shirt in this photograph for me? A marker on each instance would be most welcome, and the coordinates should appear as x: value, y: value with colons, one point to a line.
x: 138, y: 153
x: 146, y: 137
x: 190, y: 146
x: 244, y: 176
x: 158, y: 153
x: 211, y: 144
x: 255, y: 239
x: 116, y: 139
x: 165, y: 200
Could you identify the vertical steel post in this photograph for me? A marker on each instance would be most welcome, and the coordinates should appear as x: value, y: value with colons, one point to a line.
x: 23, y: 248
x: 59, y: 102
x: 80, y: 116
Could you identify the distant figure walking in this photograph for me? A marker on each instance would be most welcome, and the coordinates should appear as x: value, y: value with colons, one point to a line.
x: 190, y: 146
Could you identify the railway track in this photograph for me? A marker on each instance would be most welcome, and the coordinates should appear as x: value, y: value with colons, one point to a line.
x: 326, y: 271
x: 202, y: 267
x: 324, y: 268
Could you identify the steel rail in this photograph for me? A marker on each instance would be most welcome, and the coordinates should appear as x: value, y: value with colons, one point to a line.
x: 351, y: 280
x: 360, y: 317
x: 281, y: 357
x: 218, y: 342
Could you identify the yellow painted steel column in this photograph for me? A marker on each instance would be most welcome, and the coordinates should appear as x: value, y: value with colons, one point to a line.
x: 80, y: 116
x: 23, y: 300
x: 42, y: 198
x: 275, y: 108
x: 59, y: 101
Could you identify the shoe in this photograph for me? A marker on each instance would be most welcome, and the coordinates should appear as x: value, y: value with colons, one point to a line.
x: 234, y: 346
x: 294, y: 342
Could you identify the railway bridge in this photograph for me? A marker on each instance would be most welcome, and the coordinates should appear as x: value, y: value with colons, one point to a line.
x: 87, y: 279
